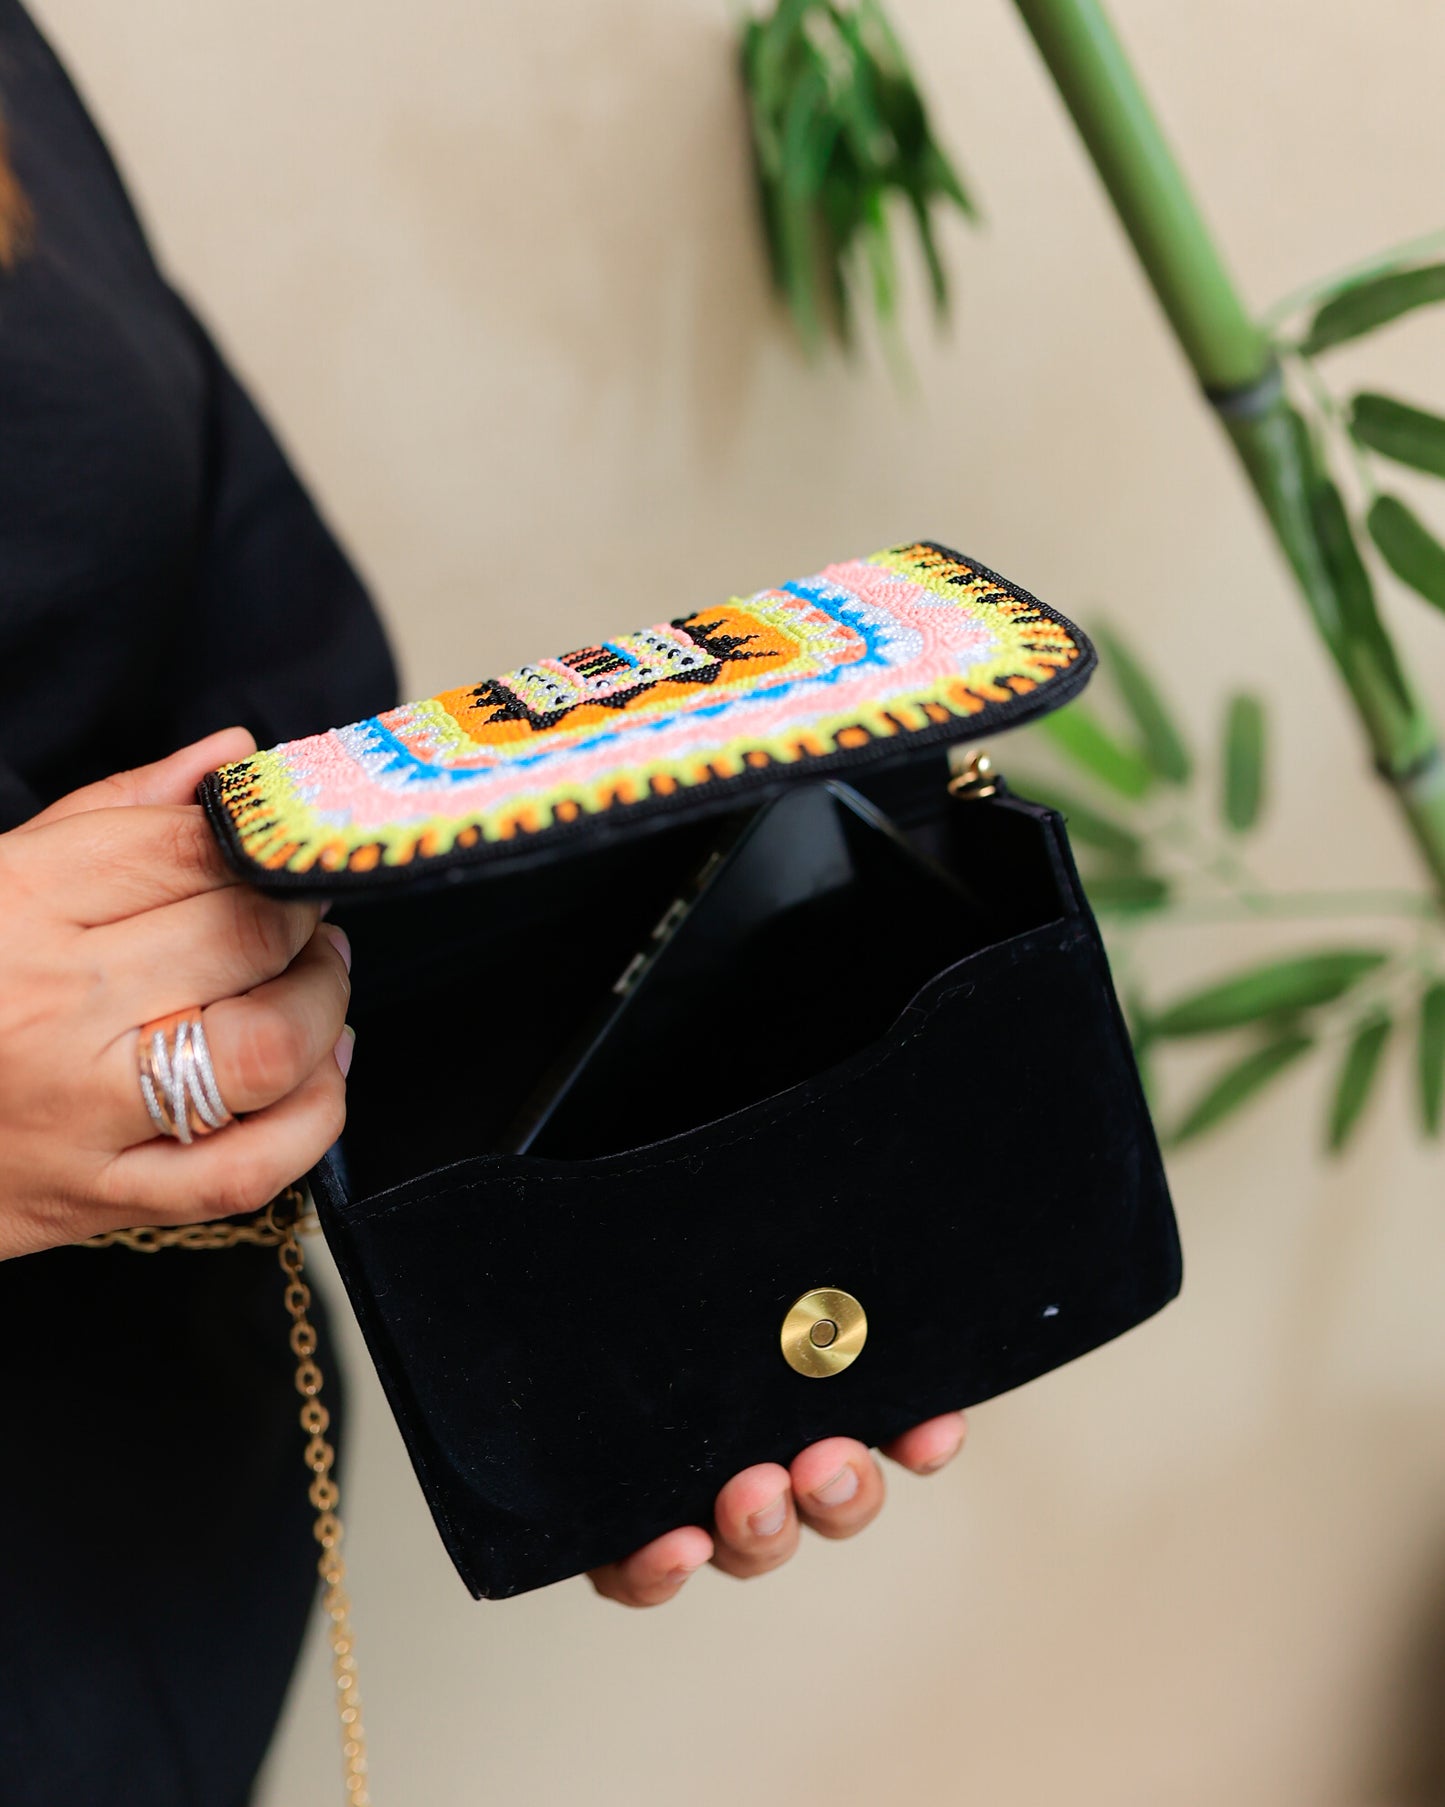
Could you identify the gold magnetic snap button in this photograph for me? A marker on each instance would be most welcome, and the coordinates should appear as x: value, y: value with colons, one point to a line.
x: 824, y: 1332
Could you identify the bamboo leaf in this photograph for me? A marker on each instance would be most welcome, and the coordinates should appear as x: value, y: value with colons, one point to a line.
x: 1409, y: 548
x: 1082, y: 738
x: 886, y: 46
x: 769, y: 53
x: 772, y: 233
x: 1367, y: 644
x: 937, y: 274
x: 838, y: 127
x: 857, y: 100
x: 1087, y: 824
x: 878, y: 250
x: 1372, y: 303
x: 808, y: 135
x: 1337, y: 543
x: 1238, y: 1083
x: 942, y: 178
x: 1275, y: 989
x: 840, y: 221
x: 1396, y: 430
x: 799, y: 256
x: 809, y: 132
x: 1243, y: 762
x: 1307, y: 449
x: 1430, y: 1056
x: 1126, y: 893
x: 1358, y: 1073
x: 1161, y: 740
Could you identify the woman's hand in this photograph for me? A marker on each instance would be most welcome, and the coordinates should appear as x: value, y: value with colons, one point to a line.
x: 834, y: 1487
x: 116, y: 908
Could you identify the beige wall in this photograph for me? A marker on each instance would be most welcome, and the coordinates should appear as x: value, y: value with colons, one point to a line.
x: 494, y: 270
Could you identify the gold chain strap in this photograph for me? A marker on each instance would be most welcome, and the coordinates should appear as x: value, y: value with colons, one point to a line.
x: 281, y: 1226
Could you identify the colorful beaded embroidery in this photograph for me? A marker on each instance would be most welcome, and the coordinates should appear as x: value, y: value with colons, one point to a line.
x: 913, y: 644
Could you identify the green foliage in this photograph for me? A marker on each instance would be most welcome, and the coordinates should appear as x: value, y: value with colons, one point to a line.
x: 1358, y: 1071
x: 1241, y: 1081
x: 1243, y: 790
x: 1396, y: 430
x: 1146, y: 865
x: 1372, y: 302
x: 839, y: 130
x: 1409, y: 548
x: 1373, y: 426
x: 1367, y: 648
x: 1147, y: 856
x: 841, y: 138
x: 1279, y: 988
x: 1159, y: 740
x: 1127, y: 891
x: 1430, y: 1056
x: 1079, y: 734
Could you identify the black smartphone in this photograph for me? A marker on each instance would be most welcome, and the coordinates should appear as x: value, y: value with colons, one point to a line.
x: 798, y: 941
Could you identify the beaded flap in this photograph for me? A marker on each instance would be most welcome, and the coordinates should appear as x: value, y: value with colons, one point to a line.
x: 868, y: 659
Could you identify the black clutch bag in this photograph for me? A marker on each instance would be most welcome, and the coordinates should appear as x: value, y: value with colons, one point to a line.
x: 876, y: 1151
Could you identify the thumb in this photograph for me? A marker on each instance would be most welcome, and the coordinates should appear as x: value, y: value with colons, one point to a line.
x: 171, y: 780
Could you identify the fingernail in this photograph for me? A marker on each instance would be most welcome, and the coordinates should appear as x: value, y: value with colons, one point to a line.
x: 839, y: 1490
x: 341, y: 941
x: 768, y: 1521
x: 326, y: 909
x: 345, y: 1049
x: 943, y: 1460
x: 938, y: 1462
x: 678, y: 1576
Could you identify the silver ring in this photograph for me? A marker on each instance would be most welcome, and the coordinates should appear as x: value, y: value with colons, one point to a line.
x: 177, y: 1079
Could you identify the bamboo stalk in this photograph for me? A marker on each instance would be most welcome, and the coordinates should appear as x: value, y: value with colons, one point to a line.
x: 1232, y: 358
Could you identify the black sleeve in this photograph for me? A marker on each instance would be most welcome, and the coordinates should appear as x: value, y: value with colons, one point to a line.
x: 162, y: 570
x: 285, y: 633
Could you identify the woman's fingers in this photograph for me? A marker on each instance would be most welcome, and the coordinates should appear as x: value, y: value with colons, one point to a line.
x: 199, y: 950
x: 837, y: 1487
x: 110, y: 864
x: 118, y: 909
x: 263, y: 1045
x: 929, y: 1446
x: 239, y: 1169
x: 171, y: 780
x: 834, y: 1487
x: 757, y: 1528
x: 653, y: 1574
x: 756, y: 1531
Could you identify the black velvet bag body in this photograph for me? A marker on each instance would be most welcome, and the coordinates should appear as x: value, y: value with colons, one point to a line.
x: 873, y: 1148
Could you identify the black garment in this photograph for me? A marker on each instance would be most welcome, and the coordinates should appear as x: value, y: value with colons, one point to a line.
x: 161, y: 574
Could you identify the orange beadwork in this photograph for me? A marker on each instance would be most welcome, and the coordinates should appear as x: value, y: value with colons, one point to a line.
x: 915, y: 644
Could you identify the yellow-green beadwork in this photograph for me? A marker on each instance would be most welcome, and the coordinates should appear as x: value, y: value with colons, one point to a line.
x: 914, y: 641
